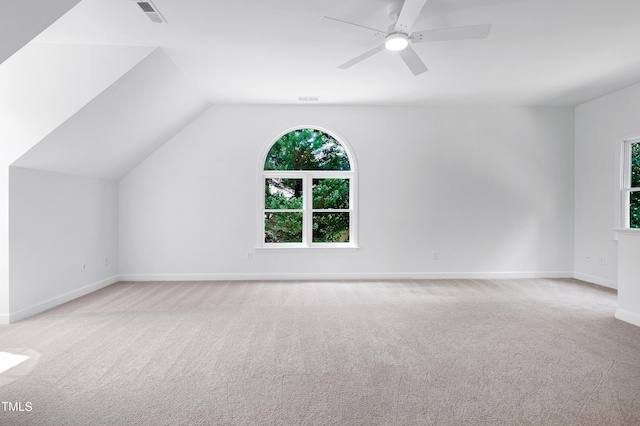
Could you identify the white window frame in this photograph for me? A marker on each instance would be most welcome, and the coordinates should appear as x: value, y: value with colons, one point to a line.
x: 307, y: 177
x: 626, y: 189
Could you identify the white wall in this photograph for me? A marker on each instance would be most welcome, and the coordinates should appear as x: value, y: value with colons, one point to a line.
x: 629, y: 277
x: 489, y: 188
x: 600, y: 126
x: 34, y: 100
x: 58, y: 222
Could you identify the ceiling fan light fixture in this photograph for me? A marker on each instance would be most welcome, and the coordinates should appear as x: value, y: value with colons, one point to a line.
x: 396, y: 41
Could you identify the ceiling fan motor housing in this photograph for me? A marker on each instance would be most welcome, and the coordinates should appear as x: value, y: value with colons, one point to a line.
x: 396, y: 41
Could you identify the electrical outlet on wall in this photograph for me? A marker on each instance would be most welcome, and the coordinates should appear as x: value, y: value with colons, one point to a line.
x: 249, y: 256
x: 106, y: 261
x: 83, y: 267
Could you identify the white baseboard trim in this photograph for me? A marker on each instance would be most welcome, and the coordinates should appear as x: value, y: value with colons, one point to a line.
x: 627, y: 316
x: 343, y: 276
x: 596, y: 280
x: 58, y: 300
x: 4, y: 319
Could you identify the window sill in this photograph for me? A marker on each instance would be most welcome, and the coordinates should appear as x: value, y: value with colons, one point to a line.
x: 302, y: 249
x: 626, y: 231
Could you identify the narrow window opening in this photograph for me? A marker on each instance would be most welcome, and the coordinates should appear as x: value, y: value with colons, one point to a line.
x: 631, y: 184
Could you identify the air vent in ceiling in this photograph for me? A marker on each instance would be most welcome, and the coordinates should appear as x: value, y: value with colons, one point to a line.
x: 146, y: 6
x: 151, y: 11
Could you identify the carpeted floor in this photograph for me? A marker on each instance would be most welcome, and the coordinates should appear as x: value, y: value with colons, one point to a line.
x: 432, y: 352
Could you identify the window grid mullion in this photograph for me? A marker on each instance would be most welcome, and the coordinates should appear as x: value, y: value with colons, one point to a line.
x: 307, y: 220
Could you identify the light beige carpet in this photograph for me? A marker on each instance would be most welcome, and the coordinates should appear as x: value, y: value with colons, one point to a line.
x: 433, y: 352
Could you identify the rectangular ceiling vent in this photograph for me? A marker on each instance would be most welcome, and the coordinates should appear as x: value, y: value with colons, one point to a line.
x: 146, y: 6
x: 151, y: 11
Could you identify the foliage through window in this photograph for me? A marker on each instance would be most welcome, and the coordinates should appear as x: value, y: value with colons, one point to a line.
x: 631, y: 187
x: 308, y: 191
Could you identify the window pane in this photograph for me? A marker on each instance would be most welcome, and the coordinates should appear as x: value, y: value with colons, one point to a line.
x: 634, y: 210
x: 282, y: 194
x: 307, y: 149
x: 331, y: 193
x: 283, y: 227
x: 635, y: 165
x: 331, y: 227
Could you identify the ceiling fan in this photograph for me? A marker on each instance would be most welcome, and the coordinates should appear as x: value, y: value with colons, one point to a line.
x: 399, y: 36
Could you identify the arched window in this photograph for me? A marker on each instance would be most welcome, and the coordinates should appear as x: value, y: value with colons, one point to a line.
x: 308, y: 182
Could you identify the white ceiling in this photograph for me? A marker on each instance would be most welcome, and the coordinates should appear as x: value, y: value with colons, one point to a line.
x: 539, y: 52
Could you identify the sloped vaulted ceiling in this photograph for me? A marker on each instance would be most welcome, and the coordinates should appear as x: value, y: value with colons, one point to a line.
x: 122, y: 125
x: 44, y: 84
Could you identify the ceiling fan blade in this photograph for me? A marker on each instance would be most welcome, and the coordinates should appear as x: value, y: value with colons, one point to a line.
x: 362, y: 57
x: 413, y: 61
x: 350, y: 26
x: 455, y: 33
x: 408, y: 15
